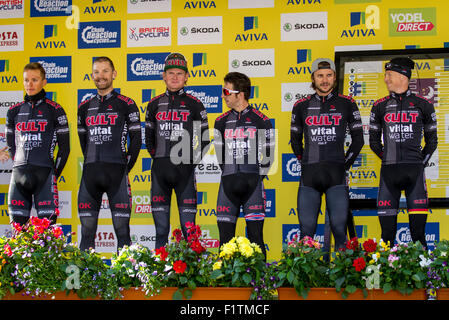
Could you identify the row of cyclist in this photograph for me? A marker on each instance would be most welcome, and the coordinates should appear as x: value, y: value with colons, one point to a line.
x: 109, y: 131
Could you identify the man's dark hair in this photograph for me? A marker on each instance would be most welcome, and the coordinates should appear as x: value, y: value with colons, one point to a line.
x: 240, y: 82
x: 35, y: 66
x: 104, y: 59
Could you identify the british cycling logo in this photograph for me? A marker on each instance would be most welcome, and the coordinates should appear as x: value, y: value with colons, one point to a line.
x: 57, y: 69
x: 45, y: 8
x: 145, y: 66
x: 99, y: 34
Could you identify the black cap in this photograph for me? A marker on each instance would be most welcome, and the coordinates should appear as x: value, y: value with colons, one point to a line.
x: 403, y: 65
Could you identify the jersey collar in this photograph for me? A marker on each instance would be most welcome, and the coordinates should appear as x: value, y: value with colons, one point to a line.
x: 401, y: 95
x: 331, y: 94
x: 106, y: 97
x: 180, y: 92
x: 37, y: 99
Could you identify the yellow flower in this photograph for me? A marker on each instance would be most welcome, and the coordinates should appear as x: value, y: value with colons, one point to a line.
x: 246, y: 250
x: 257, y: 248
x: 217, y: 265
x: 242, y: 240
x: 229, y: 248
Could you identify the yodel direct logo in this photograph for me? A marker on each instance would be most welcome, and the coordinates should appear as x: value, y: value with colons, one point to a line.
x: 412, y: 22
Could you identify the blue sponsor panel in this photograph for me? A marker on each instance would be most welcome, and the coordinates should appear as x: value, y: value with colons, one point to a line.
x: 146, y: 164
x: 45, y: 8
x: 145, y: 66
x: 67, y: 231
x: 99, y: 34
x: 289, y: 231
x: 57, y: 69
x: 432, y: 234
x: 210, y: 96
x: 291, y: 168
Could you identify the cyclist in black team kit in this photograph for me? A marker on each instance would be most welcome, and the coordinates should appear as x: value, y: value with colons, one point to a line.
x: 401, y: 119
x: 104, y: 124
x: 34, y: 128
x: 322, y: 120
x: 176, y: 136
x: 244, y: 144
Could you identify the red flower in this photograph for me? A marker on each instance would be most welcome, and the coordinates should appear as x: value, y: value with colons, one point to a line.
x: 8, y: 250
x: 352, y: 244
x: 370, y: 245
x: 57, y: 232
x: 17, y: 226
x: 162, y: 253
x: 179, y: 266
x: 177, y: 234
x: 359, y: 264
x: 197, y: 247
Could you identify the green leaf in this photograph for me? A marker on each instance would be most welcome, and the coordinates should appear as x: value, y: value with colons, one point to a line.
x: 246, y: 278
x: 177, y: 295
x: 351, y: 288
x: 188, y: 294
x: 290, y: 276
x: 191, y: 284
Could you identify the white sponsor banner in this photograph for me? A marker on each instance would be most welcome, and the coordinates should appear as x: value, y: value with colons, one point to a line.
x: 8, y: 99
x: 200, y: 30
x: 142, y: 6
x: 362, y: 47
x: 11, y: 37
x: 106, y: 239
x: 304, y: 26
x: 252, y: 62
x: 208, y: 170
x: 243, y: 4
x: 294, y: 91
x: 5, y: 167
x: 12, y: 9
x: 149, y: 32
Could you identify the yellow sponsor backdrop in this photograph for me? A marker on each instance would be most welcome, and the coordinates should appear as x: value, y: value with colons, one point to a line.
x: 290, y: 34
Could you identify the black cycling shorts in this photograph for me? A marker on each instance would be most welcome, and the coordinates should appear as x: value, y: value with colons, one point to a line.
x: 322, y: 176
x: 166, y: 177
x: 33, y: 183
x: 394, y: 178
x: 99, y: 178
x: 237, y: 190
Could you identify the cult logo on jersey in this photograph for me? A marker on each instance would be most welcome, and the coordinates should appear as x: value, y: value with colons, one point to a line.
x: 323, y: 120
x: 363, y: 23
x: 172, y: 115
x: 250, y: 23
x: 240, y: 133
x: 401, y: 117
x: 31, y: 126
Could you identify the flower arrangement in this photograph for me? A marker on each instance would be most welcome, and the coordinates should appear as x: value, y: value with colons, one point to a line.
x: 438, y: 268
x: 36, y: 261
x: 374, y: 266
x: 242, y: 264
x: 182, y: 263
x: 302, y: 265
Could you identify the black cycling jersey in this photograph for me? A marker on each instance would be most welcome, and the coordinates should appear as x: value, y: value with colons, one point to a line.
x: 104, y: 122
x: 33, y: 129
x: 402, y: 120
x: 171, y: 118
x: 244, y: 142
x: 323, y: 123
